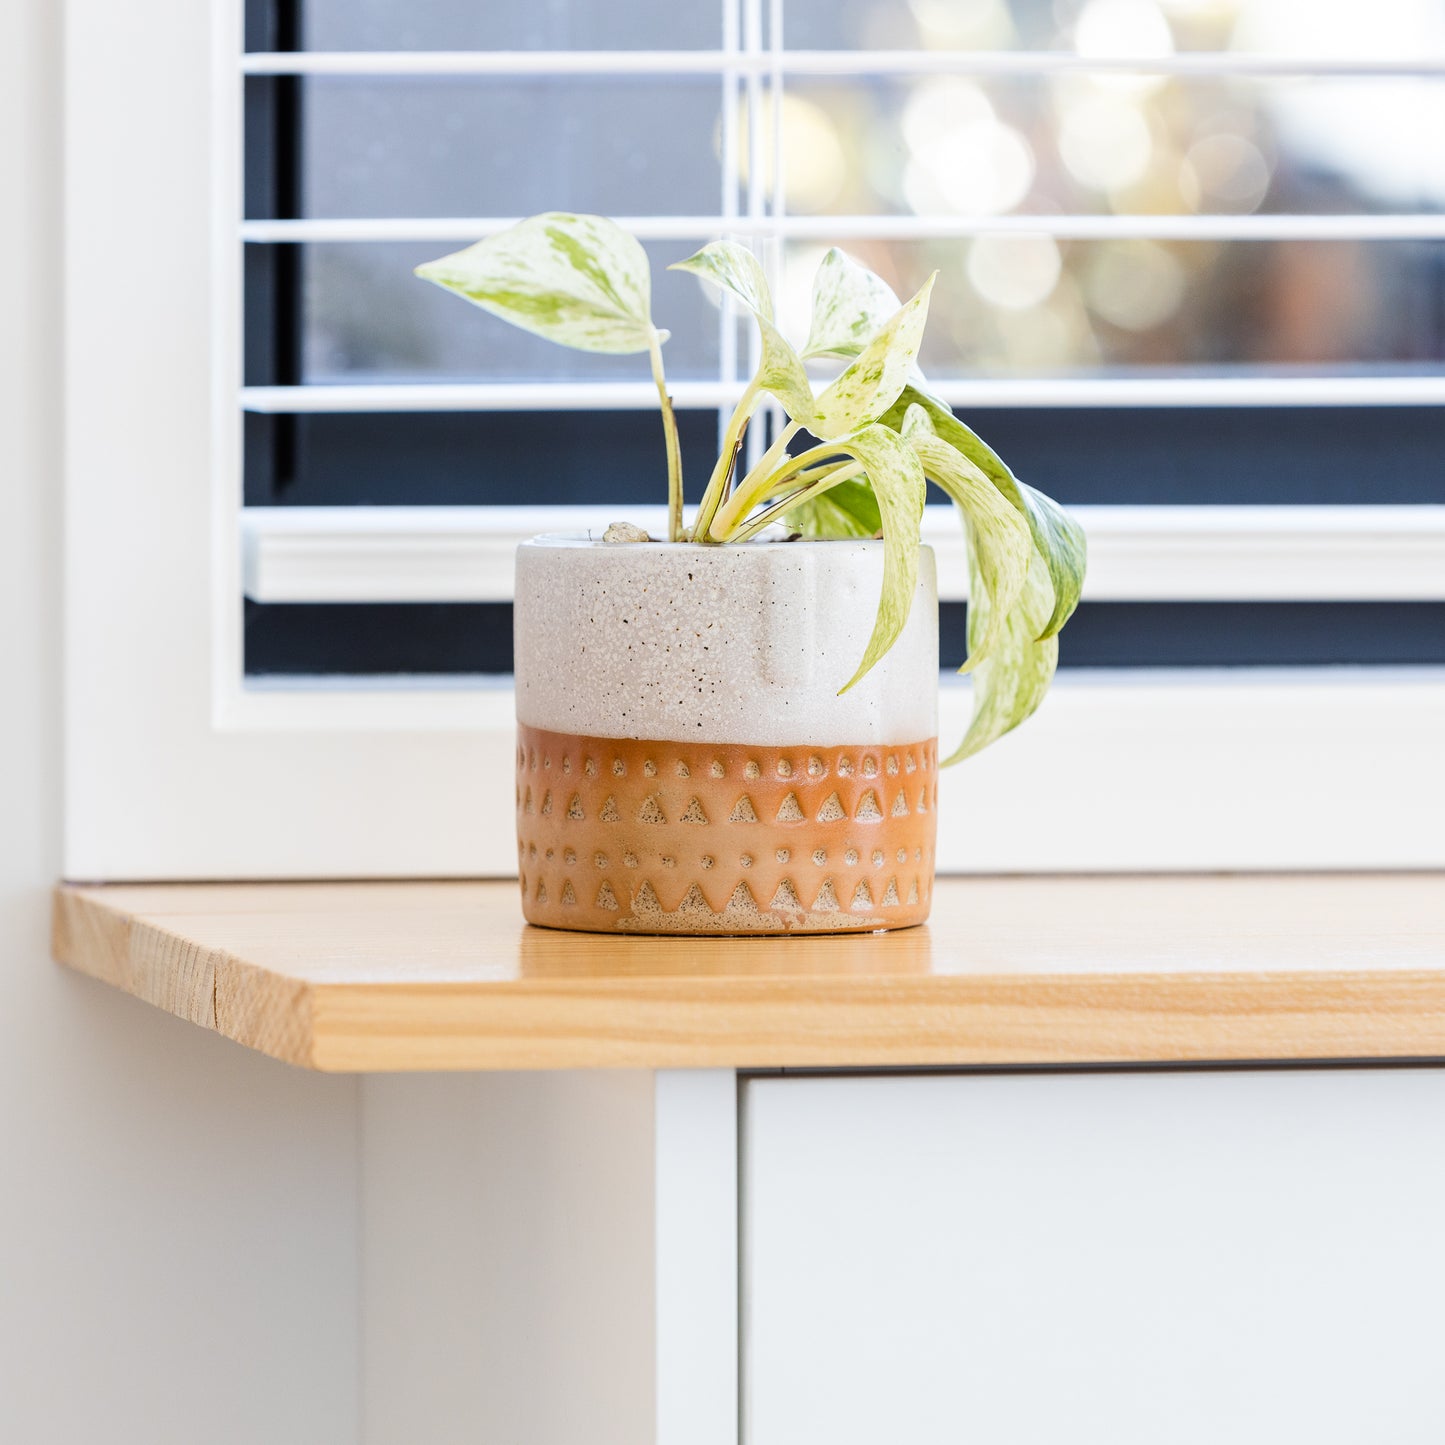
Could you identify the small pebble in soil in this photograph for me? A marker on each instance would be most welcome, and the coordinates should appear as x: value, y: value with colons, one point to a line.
x: 625, y: 532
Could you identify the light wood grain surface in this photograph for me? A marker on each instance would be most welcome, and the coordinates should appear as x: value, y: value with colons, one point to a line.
x: 425, y: 976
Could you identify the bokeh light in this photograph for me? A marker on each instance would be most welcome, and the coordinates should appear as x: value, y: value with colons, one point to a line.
x: 1224, y: 173
x: 1135, y: 285
x: 964, y: 24
x: 1105, y: 140
x: 963, y: 159
x: 1014, y: 271
x: 814, y: 163
x: 1135, y: 28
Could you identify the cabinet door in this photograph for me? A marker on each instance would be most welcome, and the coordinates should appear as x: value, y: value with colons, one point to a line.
x: 1063, y: 1259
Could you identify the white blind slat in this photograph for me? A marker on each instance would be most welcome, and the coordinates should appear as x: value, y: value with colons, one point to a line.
x: 517, y: 63
x: 1411, y: 226
x: 465, y: 554
x: 1246, y: 390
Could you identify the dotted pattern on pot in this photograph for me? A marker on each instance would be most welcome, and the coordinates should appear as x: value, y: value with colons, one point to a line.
x: 747, y: 643
x: 619, y: 835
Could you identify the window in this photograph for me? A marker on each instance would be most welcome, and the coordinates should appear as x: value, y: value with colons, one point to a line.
x: 1181, y: 288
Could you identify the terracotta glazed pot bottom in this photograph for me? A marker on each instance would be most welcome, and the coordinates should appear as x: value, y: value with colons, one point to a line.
x: 620, y: 836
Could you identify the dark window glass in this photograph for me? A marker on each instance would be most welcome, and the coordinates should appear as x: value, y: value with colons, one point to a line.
x: 468, y: 458
x: 449, y: 638
x: 1238, y: 455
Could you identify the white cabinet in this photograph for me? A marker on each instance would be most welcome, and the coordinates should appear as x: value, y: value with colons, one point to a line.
x: 1246, y: 1257
x: 1253, y: 1257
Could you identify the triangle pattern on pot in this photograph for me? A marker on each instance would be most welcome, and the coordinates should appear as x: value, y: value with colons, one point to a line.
x: 868, y: 808
x: 787, y: 897
x: 827, y: 899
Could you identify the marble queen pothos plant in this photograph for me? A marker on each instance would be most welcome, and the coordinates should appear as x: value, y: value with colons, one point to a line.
x: 878, y: 434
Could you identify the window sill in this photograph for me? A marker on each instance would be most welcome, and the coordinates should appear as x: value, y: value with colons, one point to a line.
x: 374, y: 977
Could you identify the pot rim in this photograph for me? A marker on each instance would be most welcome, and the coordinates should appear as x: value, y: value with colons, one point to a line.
x: 579, y: 541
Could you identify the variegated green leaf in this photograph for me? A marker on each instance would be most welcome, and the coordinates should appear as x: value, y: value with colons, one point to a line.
x: 999, y: 543
x: 1011, y: 680
x: 848, y: 509
x: 1059, y: 539
x: 899, y: 486
x: 581, y: 281
x: 1062, y: 543
x: 781, y: 372
x: 850, y: 306
x: 736, y: 270
x: 872, y: 384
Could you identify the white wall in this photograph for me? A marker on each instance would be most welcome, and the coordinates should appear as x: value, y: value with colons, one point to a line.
x: 178, y: 1218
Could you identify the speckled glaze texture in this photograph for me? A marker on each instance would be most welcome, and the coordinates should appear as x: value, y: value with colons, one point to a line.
x: 685, y: 763
x: 648, y: 837
x: 740, y: 644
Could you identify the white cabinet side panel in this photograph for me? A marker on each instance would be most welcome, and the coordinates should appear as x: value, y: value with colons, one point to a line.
x: 697, y: 1259
x: 1118, y: 1259
x: 507, y: 1281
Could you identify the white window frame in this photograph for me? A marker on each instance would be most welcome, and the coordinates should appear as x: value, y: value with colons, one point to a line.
x: 175, y: 769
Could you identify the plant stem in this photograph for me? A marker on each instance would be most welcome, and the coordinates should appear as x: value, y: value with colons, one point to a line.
x: 753, y: 487
x: 674, y: 449
x: 717, y: 485
x: 816, y: 474
x: 726, y: 526
x: 829, y: 477
x: 792, y: 466
x: 770, y: 459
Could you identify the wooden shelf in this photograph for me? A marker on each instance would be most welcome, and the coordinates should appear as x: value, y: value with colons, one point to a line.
x: 383, y: 976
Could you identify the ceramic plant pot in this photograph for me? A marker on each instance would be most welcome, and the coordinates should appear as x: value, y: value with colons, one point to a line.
x: 684, y: 761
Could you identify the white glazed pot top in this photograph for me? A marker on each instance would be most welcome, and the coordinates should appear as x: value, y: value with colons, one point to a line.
x: 740, y: 643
